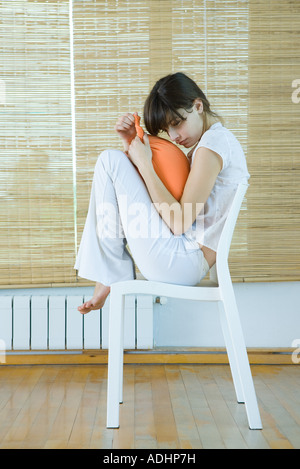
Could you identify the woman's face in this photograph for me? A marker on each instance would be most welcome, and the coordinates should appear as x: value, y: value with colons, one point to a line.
x: 187, y: 132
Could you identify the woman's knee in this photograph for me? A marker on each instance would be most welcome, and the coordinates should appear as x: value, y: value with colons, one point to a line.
x: 111, y: 155
x: 111, y: 159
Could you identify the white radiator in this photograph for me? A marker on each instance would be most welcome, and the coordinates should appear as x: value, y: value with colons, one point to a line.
x: 53, y: 323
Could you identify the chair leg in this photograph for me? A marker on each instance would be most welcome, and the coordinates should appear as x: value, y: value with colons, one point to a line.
x: 240, y: 362
x: 115, y: 358
x: 231, y: 355
x: 121, y: 357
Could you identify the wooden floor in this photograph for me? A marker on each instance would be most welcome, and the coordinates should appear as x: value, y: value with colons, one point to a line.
x: 165, y: 406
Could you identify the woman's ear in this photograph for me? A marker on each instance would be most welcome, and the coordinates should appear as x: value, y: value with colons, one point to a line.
x: 198, y: 105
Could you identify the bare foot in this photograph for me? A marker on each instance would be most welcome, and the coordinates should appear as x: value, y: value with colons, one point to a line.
x: 101, y: 292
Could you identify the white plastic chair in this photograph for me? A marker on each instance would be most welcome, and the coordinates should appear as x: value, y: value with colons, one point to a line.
x: 220, y: 290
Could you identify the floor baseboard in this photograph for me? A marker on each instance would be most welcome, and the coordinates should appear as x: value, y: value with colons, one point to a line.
x: 165, y: 355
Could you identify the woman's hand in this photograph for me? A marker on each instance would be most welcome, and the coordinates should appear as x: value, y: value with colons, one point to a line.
x: 125, y: 128
x: 140, y: 153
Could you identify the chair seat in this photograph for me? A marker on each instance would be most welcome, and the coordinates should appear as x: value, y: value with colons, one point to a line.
x: 206, y: 291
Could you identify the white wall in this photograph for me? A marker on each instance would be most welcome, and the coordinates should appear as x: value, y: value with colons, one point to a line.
x: 270, y: 315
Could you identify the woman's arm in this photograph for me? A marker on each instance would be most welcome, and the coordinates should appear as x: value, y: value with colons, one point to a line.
x: 179, y: 216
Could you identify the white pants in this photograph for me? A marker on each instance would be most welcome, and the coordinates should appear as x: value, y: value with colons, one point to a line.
x: 121, y: 212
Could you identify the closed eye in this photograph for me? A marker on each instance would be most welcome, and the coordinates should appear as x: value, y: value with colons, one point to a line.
x: 175, y: 123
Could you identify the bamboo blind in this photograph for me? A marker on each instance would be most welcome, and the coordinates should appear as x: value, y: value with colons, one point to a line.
x: 242, y: 53
x: 273, y: 142
x: 36, y: 184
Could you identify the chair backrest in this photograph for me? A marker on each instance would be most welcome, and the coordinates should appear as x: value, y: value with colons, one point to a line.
x: 227, y: 233
x: 229, y: 226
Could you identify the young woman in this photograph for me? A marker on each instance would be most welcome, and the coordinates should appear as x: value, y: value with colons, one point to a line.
x: 170, y: 241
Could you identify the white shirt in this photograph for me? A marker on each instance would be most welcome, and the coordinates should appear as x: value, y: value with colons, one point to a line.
x: 209, y: 223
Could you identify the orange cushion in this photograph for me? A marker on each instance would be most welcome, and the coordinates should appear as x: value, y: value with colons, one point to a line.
x: 169, y: 162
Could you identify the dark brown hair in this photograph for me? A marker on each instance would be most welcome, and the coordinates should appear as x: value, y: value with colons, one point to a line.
x: 169, y: 94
